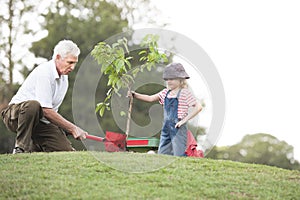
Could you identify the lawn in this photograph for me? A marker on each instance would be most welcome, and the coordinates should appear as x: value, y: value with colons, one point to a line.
x: 102, y: 175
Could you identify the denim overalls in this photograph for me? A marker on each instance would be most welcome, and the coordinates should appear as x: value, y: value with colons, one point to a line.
x: 172, y: 140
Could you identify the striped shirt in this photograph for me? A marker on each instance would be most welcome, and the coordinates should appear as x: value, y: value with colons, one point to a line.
x: 186, y: 99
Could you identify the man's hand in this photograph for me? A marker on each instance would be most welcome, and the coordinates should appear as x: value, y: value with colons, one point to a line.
x: 78, y: 133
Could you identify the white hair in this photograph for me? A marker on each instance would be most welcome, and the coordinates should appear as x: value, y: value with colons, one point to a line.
x: 65, y: 48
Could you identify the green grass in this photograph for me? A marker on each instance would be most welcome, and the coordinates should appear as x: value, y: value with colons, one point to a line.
x: 79, y: 175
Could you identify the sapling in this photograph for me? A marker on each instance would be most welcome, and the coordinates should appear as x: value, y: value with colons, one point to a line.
x: 115, y: 61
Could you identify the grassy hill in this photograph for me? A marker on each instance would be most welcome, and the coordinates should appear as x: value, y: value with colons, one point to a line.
x: 86, y: 175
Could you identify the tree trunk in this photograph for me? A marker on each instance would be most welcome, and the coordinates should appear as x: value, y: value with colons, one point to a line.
x: 10, y: 44
x: 129, y: 116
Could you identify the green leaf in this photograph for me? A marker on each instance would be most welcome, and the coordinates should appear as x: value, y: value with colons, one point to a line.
x: 135, y: 71
x: 127, y: 63
x: 114, y: 45
x: 164, y: 58
x: 119, y: 65
x: 109, y: 82
x: 125, y: 44
x: 101, y: 112
x: 143, y: 58
x: 122, y: 114
x: 98, y: 107
x: 109, y: 92
x: 142, y: 52
x: 119, y: 84
x: 149, y: 66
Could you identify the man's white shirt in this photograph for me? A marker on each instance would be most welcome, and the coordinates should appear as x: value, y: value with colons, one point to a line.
x: 44, y: 85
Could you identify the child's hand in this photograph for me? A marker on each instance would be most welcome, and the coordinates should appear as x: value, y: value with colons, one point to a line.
x: 180, y: 123
x: 130, y: 94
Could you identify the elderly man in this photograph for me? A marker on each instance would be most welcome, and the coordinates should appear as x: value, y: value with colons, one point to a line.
x: 33, y: 112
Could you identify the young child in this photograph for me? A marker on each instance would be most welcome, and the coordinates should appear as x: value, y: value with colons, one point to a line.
x: 176, y: 100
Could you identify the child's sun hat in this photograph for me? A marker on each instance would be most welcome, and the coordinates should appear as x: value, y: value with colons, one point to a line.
x: 175, y: 70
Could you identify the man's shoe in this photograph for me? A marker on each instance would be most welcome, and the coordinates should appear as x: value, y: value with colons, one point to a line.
x: 18, y: 150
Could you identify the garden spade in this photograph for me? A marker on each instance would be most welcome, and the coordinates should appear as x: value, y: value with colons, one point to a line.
x: 113, y: 142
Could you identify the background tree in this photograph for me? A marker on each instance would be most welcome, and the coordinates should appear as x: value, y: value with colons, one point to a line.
x: 16, y: 28
x: 259, y: 148
x: 17, y: 24
x: 139, y: 12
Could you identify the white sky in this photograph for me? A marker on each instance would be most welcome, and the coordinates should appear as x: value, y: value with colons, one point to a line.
x: 255, y: 46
